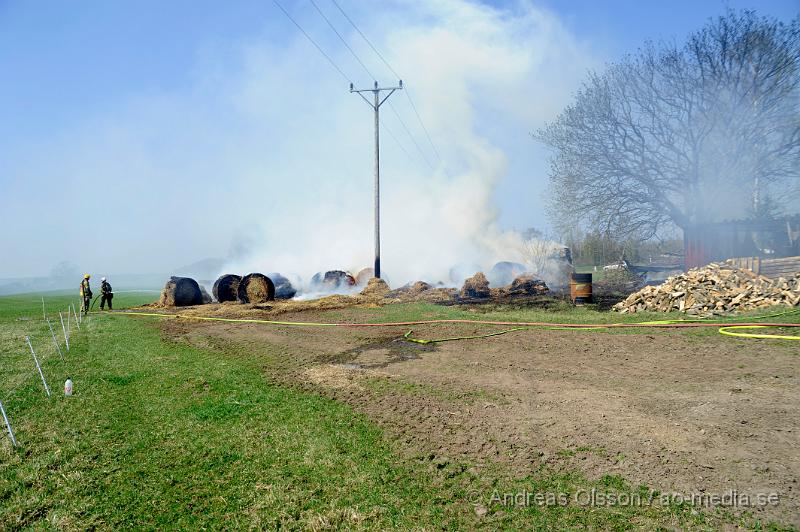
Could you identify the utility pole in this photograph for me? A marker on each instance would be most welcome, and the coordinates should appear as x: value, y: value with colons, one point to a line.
x: 376, y: 104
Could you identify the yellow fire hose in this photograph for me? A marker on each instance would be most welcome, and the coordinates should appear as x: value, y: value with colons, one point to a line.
x: 725, y: 327
x: 728, y: 331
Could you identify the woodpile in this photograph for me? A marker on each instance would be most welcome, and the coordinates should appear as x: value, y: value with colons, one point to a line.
x: 715, y: 289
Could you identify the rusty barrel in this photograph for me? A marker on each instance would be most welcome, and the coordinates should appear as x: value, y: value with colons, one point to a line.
x: 580, y: 288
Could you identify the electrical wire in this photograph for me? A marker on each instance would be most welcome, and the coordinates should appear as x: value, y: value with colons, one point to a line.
x: 385, y: 62
x: 333, y: 63
x: 402, y: 123
x: 330, y: 24
x: 372, y: 76
x: 312, y: 41
x: 399, y: 144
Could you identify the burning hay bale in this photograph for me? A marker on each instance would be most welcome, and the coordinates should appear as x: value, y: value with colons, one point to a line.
x: 364, y: 275
x: 476, y: 287
x: 376, y: 287
x: 715, y: 289
x: 256, y: 288
x: 226, y: 288
x: 181, y: 292
x: 283, y: 287
x: 526, y: 285
x: 503, y: 273
x: 410, y: 291
x: 333, y: 280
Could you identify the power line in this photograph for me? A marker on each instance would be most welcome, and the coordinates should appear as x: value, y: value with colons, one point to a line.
x: 313, y: 3
x: 421, y: 123
x: 402, y: 123
x: 312, y: 41
x: 385, y: 62
x: 360, y: 62
x: 333, y: 63
x: 400, y: 144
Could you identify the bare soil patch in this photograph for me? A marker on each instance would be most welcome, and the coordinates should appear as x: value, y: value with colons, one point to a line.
x: 688, y: 412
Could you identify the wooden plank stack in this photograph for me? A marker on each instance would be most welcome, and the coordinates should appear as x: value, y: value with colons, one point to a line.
x: 712, y: 290
x: 772, y: 268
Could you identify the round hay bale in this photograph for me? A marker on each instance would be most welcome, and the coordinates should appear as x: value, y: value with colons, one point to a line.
x: 181, y: 292
x: 332, y: 280
x: 503, y: 273
x: 476, y: 286
x: 256, y: 288
x: 376, y: 287
x: 283, y: 287
x: 364, y: 275
x: 226, y: 288
x: 527, y: 285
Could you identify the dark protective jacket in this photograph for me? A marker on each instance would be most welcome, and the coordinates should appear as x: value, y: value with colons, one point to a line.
x: 105, y: 288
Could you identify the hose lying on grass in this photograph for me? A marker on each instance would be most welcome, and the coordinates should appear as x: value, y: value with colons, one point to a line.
x: 725, y: 327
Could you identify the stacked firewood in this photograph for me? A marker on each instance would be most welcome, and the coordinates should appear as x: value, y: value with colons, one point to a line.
x: 714, y: 289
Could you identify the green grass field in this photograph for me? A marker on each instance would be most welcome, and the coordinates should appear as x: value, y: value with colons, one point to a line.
x: 160, y: 435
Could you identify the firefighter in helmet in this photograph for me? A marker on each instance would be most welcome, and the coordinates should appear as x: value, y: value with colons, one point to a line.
x: 86, y: 293
x: 106, y: 294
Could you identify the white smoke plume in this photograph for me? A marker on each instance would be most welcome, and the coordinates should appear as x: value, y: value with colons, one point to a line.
x: 265, y: 159
x: 473, y: 66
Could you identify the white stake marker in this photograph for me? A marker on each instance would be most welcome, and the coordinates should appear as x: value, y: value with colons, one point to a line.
x: 8, y: 425
x: 53, y: 334
x: 66, y: 336
x: 77, y: 317
x: 46, y: 387
x: 44, y: 313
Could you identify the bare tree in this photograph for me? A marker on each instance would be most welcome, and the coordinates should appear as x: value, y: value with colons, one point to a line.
x: 681, y: 135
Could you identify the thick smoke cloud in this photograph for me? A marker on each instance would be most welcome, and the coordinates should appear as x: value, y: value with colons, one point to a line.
x: 265, y: 159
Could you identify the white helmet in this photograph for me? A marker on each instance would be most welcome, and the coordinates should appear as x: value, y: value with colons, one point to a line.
x: 102, y: 278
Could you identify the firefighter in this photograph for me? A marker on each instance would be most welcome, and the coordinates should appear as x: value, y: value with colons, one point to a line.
x: 107, y: 294
x: 86, y: 293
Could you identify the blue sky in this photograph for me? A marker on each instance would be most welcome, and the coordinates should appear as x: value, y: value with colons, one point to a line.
x: 110, y: 108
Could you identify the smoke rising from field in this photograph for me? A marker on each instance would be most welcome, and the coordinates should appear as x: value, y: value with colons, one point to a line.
x: 470, y: 63
x: 266, y: 159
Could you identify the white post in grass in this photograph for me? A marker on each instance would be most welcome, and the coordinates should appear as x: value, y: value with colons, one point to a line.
x: 38, y: 367
x: 53, y: 334
x: 77, y: 317
x: 66, y: 336
x: 44, y: 313
x: 8, y: 425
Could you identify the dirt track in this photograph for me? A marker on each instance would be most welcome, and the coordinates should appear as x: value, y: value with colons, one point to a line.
x: 676, y: 411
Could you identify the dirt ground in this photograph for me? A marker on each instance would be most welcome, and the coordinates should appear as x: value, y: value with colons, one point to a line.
x: 681, y: 412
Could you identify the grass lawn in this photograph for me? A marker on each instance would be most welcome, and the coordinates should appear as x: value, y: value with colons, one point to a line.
x: 163, y: 435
